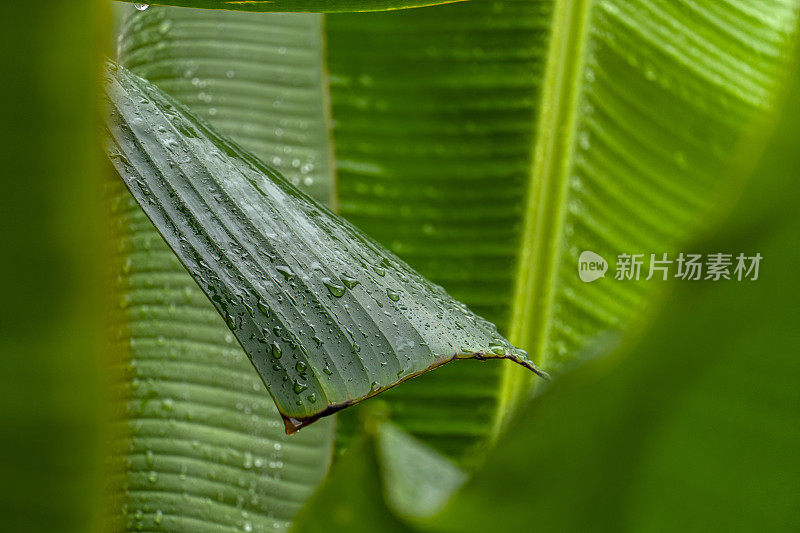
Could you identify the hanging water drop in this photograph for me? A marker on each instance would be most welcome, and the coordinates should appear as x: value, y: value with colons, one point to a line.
x: 349, y: 281
x: 276, y: 351
x: 335, y: 289
x: 141, y: 7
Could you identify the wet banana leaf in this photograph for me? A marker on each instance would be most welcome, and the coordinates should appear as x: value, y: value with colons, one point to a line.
x: 201, y: 444
x: 297, y: 6
x: 327, y: 316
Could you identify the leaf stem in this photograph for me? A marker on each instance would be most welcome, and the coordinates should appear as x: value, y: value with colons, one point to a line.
x: 544, y: 213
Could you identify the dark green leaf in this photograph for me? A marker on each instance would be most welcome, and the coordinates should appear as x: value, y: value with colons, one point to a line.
x: 326, y: 315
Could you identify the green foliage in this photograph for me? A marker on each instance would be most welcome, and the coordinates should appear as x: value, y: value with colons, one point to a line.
x: 434, y: 117
x: 690, y: 426
x: 325, y: 314
x: 201, y: 443
x: 488, y: 143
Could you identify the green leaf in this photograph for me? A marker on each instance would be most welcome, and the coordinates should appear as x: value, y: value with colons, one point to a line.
x: 508, y: 137
x: 300, y: 6
x: 434, y: 116
x: 643, y: 106
x: 326, y: 315
x: 417, y: 482
x: 202, y: 445
x: 694, y: 424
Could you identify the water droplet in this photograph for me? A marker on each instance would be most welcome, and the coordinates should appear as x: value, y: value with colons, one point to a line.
x: 301, y: 366
x: 393, y: 295
x: 299, y: 387
x: 333, y: 288
x: 141, y: 7
x: 276, y: 351
x: 498, y: 349
x: 349, y: 281
x: 263, y: 307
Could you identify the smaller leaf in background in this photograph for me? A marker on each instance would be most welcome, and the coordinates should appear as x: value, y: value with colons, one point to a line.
x: 386, y: 471
x: 326, y: 315
x: 297, y: 6
x: 418, y: 481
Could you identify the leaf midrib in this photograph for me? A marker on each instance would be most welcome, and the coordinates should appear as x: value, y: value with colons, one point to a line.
x: 544, y: 205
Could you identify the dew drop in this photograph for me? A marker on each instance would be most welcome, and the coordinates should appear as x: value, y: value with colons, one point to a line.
x: 301, y: 366
x: 299, y: 387
x: 393, y: 295
x: 497, y: 349
x: 333, y: 288
x: 349, y: 281
x: 276, y: 351
x: 141, y: 7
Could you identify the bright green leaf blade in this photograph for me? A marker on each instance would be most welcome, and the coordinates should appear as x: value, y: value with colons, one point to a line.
x: 693, y: 426
x: 434, y: 116
x: 326, y: 315
x: 300, y: 6
x: 203, y: 446
x: 645, y: 103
